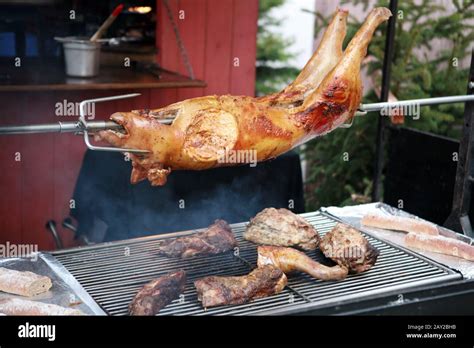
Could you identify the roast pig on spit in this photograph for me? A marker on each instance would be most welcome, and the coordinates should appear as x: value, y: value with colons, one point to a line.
x: 325, y: 95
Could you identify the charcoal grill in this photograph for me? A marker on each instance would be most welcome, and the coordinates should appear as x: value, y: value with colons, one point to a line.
x: 112, y: 273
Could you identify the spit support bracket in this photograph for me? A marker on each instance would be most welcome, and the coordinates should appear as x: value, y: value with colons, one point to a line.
x: 84, y: 127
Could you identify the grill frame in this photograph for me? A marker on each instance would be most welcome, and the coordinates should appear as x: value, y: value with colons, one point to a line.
x: 301, y: 289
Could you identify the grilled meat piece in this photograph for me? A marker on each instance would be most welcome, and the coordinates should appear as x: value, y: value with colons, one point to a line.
x: 325, y: 95
x: 290, y: 260
x: 216, y: 239
x: 261, y: 282
x: 281, y: 227
x: 158, y: 293
x: 349, y: 248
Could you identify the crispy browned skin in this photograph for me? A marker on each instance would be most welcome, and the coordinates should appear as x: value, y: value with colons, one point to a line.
x: 261, y: 282
x: 158, y: 293
x: 349, y: 248
x: 325, y: 95
x: 290, y: 260
x: 216, y: 239
x: 281, y: 227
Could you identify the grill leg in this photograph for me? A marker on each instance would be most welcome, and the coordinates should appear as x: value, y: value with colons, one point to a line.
x: 459, y: 220
x: 386, y: 72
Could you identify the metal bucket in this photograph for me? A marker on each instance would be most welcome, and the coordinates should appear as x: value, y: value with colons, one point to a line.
x: 81, y: 56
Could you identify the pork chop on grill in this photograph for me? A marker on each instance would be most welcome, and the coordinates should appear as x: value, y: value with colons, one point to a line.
x: 158, y: 293
x: 349, y: 248
x: 281, y: 227
x: 261, y: 282
x: 290, y: 260
x: 216, y: 239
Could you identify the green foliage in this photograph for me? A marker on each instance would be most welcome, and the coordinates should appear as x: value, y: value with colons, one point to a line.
x: 416, y: 73
x: 333, y: 178
x: 273, y: 71
x: 270, y: 79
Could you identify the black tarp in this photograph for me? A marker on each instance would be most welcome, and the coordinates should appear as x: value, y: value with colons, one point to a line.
x: 420, y: 173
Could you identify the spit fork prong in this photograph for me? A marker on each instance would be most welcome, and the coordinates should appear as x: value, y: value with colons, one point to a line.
x: 83, y: 124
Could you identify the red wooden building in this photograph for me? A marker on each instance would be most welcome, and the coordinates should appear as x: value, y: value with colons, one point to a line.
x: 39, y: 171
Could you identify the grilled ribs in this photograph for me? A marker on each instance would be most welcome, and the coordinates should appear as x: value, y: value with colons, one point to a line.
x: 281, y: 227
x: 206, y: 130
x: 261, y: 282
x: 158, y: 293
x: 349, y: 248
x: 290, y: 260
x: 216, y: 239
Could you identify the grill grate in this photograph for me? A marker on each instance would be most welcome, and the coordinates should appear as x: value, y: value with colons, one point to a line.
x: 112, y: 274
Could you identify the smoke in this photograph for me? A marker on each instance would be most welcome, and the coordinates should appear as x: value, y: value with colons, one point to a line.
x: 236, y: 200
x: 190, y: 199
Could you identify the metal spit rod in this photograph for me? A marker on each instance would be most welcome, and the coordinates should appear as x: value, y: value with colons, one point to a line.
x: 420, y: 102
x: 78, y: 127
x: 94, y: 126
x: 82, y: 126
x: 59, y: 127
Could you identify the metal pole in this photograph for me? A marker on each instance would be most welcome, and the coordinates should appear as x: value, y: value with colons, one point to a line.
x: 59, y: 127
x: 459, y: 220
x: 417, y: 102
x: 94, y: 126
x: 386, y: 71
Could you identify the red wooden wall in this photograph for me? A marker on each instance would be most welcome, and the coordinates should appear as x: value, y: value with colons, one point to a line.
x: 39, y: 186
